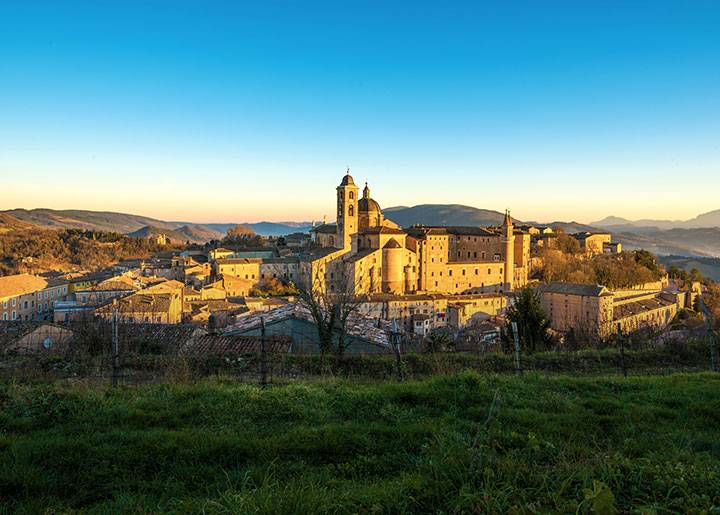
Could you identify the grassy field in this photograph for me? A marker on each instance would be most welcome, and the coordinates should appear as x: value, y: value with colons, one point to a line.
x: 458, y: 444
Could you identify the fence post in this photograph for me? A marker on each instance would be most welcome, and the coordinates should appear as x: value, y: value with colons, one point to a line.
x: 516, y: 338
x: 395, y: 342
x: 621, y: 338
x: 263, y: 355
x: 115, y: 346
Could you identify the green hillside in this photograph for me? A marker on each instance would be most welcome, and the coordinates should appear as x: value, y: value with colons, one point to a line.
x: 460, y: 444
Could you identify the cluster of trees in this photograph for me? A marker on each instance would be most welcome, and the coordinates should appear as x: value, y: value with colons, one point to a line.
x: 694, y: 275
x: 40, y: 250
x: 241, y: 236
x: 712, y: 301
x: 272, y: 287
x: 613, y: 271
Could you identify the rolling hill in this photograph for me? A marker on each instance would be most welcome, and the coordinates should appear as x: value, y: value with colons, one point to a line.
x: 192, y: 233
x: 90, y: 220
x: 9, y: 222
x: 443, y: 214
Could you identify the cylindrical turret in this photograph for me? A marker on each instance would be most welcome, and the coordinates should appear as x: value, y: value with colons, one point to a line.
x: 392, y: 270
x: 509, y: 242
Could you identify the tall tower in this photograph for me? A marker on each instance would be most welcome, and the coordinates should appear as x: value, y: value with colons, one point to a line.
x: 509, y: 240
x: 347, y: 212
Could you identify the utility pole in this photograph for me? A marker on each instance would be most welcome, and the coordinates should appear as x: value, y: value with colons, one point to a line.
x: 115, y: 345
x: 263, y: 355
x: 516, y: 338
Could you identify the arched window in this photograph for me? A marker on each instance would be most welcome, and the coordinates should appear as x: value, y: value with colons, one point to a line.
x: 352, y: 195
x: 350, y: 209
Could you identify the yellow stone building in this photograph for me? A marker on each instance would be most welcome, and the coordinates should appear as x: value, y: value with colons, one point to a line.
x: 374, y: 255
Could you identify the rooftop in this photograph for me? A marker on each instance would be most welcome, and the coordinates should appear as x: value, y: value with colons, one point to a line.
x: 20, y: 284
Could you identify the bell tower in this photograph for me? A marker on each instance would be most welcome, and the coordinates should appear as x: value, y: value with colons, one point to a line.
x: 347, y: 212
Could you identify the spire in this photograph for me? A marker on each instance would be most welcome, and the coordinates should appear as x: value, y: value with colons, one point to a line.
x: 366, y: 191
x: 508, y: 219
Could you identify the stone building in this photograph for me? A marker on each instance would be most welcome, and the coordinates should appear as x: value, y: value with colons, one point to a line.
x: 374, y: 255
x: 595, y: 311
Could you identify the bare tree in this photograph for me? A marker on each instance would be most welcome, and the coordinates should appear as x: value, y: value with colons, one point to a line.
x: 331, y: 304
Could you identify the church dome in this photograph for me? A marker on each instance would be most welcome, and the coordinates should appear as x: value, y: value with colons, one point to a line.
x: 368, y: 205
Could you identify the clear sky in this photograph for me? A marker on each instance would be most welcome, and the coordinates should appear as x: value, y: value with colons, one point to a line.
x: 238, y: 111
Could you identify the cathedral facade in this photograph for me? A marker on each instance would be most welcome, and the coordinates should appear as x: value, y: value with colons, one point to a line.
x: 369, y: 254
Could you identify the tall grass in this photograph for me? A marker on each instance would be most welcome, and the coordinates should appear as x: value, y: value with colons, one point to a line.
x: 465, y: 443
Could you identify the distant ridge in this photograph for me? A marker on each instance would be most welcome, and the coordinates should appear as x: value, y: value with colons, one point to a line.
x: 704, y: 220
x: 128, y: 224
x: 443, y: 214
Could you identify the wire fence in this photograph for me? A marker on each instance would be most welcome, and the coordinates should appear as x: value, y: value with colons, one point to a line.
x: 101, y: 351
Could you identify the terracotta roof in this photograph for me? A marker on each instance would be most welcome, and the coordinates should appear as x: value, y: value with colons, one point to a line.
x: 20, y: 284
x: 121, y: 283
x: 163, y: 287
x: 140, y: 303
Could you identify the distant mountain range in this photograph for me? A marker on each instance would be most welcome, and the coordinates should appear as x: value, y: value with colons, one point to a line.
x: 697, y: 237
x: 135, y: 225
x: 709, y: 219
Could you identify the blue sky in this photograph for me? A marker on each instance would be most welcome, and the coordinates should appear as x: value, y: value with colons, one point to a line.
x: 234, y: 111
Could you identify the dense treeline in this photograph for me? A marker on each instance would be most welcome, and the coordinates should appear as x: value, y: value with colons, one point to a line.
x: 614, y: 271
x: 40, y: 250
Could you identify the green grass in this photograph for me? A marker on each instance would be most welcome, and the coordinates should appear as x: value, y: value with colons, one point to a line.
x: 438, y: 445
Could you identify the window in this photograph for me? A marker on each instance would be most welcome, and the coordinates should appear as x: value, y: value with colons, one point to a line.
x: 463, y: 271
x: 5, y: 303
x: 350, y: 211
x: 5, y: 314
x: 14, y: 315
x: 449, y: 273
x: 14, y: 302
x: 476, y: 271
x: 352, y: 195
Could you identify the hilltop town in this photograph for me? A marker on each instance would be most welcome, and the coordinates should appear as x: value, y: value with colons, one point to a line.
x: 419, y: 279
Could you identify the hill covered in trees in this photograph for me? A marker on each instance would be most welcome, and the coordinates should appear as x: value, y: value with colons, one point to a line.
x: 42, y: 250
x: 614, y: 271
